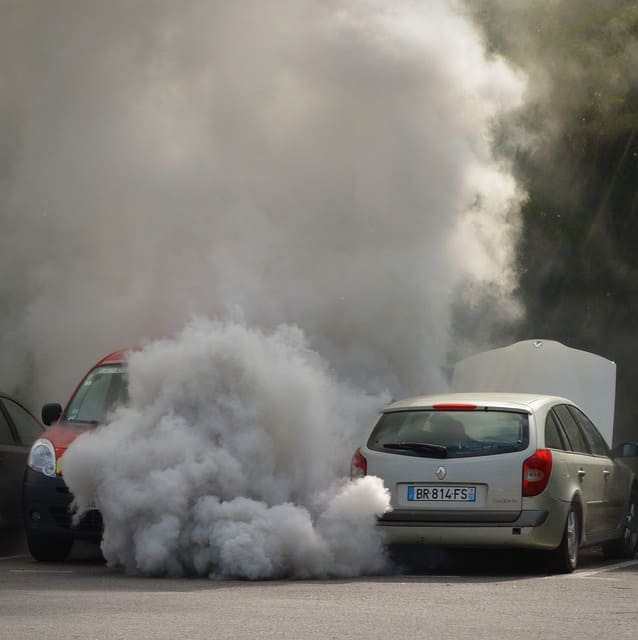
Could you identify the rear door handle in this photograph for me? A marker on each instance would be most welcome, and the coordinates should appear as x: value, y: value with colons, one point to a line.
x: 581, y: 474
x: 606, y: 473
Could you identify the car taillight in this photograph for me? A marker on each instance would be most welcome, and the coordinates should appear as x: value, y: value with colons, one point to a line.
x: 358, y: 465
x: 536, y: 472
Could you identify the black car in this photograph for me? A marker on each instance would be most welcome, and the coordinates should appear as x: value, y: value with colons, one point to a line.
x: 19, y: 429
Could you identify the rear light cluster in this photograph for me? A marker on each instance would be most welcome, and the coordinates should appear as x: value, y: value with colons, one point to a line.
x: 358, y: 465
x: 536, y: 472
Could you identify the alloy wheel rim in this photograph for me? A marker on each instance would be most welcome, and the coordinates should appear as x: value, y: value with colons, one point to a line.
x: 631, y: 527
x: 572, y: 538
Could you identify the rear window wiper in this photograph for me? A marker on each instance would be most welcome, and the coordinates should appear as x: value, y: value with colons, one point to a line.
x: 77, y: 421
x: 424, y: 448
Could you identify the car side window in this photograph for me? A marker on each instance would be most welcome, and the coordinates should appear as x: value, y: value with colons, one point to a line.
x: 28, y: 428
x: 596, y: 442
x: 6, y: 435
x: 553, y: 437
x: 574, y: 435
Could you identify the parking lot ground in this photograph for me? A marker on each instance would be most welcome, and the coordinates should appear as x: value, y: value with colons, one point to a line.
x: 467, y: 595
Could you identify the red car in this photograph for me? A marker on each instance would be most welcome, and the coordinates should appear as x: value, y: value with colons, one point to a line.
x: 46, y: 498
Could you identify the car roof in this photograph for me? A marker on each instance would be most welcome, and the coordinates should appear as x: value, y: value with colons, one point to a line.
x: 527, y: 402
x: 10, y: 397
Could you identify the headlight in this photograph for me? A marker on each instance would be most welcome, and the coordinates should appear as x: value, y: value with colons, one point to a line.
x: 42, y: 458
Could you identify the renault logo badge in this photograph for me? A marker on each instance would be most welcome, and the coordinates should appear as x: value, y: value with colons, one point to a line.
x: 441, y: 473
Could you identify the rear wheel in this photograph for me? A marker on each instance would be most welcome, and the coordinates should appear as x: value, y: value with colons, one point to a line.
x: 625, y: 547
x: 564, y: 558
x: 46, y: 549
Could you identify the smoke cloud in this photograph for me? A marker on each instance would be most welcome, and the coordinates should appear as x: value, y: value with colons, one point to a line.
x: 229, y: 462
x: 317, y: 178
x: 326, y: 164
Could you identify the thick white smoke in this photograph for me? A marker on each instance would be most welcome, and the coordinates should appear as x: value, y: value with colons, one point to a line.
x: 325, y: 165
x: 230, y: 460
x: 322, y: 163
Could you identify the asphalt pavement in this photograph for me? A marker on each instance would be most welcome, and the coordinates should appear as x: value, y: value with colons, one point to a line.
x: 455, y: 595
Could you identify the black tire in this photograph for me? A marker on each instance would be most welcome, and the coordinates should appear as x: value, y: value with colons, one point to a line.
x: 46, y: 549
x: 625, y: 547
x: 564, y: 558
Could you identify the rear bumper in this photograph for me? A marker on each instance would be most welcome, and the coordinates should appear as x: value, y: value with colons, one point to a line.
x: 527, y: 529
x: 47, y: 512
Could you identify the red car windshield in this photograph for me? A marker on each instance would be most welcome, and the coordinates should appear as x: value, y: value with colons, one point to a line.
x: 103, y: 389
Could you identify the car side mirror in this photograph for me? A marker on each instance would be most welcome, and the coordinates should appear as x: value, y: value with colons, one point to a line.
x: 51, y: 413
x: 626, y: 450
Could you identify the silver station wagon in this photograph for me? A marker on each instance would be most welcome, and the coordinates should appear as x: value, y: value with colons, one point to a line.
x: 501, y: 470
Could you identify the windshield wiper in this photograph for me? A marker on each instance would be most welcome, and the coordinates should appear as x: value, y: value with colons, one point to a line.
x: 424, y: 448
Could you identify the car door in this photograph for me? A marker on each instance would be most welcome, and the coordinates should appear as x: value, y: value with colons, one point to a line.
x: 19, y: 429
x: 12, y: 461
x: 590, y: 472
x: 25, y: 424
x: 616, y: 482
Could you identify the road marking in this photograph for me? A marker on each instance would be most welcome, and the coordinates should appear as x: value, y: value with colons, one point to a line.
x: 13, y: 557
x: 611, y: 567
x: 39, y: 571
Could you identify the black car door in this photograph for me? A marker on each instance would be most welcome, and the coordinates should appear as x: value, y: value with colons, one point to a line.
x: 27, y: 428
x: 12, y: 460
x: 18, y: 431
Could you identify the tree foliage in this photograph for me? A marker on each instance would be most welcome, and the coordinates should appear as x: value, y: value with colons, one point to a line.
x: 575, y: 150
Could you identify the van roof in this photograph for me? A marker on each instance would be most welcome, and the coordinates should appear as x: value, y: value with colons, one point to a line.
x: 115, y: 357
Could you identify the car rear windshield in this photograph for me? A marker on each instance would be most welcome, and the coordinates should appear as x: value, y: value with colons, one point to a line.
x: 103, y: 389
x: 450, y: 434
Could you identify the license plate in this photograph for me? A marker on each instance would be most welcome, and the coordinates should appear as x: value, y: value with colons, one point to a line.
x: 91, y: 505
x: 441, y: 494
